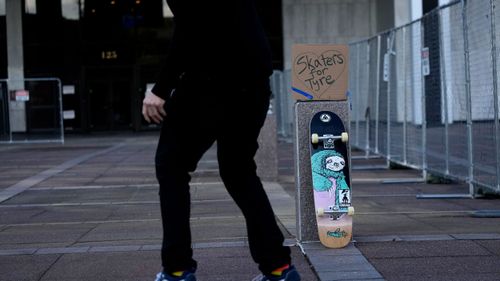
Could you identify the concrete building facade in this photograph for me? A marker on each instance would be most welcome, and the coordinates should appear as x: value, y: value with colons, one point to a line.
x: 343, y: 21
x: 107, y: 52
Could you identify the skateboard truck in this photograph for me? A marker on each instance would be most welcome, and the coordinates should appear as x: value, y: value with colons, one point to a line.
x: 329, y: 140
x: 335, y: 212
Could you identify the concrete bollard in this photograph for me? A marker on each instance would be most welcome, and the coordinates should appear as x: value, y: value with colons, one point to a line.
x: 267, y: 155
x: 307, y: 229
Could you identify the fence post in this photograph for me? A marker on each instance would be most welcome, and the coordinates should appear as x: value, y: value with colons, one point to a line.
x: 422, y: 97
x: 390, y: 41
x: 61, y: 112
x: 377, y: 96
x: 468, y: 98
x: 405, y: 133
x: 495, y: 88
x: 367, y: 117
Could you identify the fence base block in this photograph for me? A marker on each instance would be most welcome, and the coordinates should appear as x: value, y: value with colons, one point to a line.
x: 444, y: 196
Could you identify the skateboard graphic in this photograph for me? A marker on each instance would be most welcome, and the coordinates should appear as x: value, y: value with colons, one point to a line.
x: 331, y: 179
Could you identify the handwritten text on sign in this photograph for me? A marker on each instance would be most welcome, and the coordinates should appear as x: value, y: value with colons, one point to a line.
x: 319, y: 72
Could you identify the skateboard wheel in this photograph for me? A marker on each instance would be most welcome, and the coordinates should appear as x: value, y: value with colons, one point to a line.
x: 314, y: 138
x: 320, y: 212
x: 350, y: 211
x: 344, y: 137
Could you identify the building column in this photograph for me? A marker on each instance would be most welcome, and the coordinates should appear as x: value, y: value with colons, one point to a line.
x: 402, y: 12
x: 15, y: 63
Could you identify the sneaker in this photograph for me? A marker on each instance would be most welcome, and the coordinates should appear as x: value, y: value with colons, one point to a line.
x: 290, y: 274
x: 186, y: 276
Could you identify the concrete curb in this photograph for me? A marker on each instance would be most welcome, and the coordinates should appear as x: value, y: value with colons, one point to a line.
x: 330, y: 264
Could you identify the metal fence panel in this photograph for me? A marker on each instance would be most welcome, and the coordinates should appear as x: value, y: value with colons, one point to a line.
x: 354, y: 91
x: 283, y: 103
x: 413, y: 96
x: 288, y: 103
x: 455, y: 116
x: 426, y: 94
x: 361, y: 98
x: 436, y: 129
x: 482, y: 105
x: 396, y: 137
x: 372, y: 112
x: 33, y: 114
x: 276, y: 81
x: 385, y: 58
x: 416, y: 141
x: 431, y: 98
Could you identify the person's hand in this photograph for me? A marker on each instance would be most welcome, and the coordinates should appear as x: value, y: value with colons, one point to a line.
x: 152, y: 108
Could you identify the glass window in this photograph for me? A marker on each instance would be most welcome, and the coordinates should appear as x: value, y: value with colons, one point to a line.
x: 30, y: 7
x: 2, y: 7
x: 3, y: 42
x: 70, y: 9
x: 167, y: 13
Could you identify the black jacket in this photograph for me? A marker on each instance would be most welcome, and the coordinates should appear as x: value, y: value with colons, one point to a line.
x: 220, y: 38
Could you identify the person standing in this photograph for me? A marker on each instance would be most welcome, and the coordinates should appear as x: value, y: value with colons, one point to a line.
x: 214, y: 87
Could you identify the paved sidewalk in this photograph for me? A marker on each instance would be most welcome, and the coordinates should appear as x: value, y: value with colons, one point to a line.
x: 406, y: 238
x: 88, y: 210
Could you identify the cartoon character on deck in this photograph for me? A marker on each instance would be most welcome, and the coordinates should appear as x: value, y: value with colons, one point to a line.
x: 328, y: 175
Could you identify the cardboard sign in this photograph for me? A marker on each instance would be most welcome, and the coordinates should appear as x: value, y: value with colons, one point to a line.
x: 320, y: 72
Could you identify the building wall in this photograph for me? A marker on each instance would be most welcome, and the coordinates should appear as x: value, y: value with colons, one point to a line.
x: 336, y: 21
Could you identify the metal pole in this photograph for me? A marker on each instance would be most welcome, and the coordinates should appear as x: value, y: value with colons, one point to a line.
x: 280, y: 96
x: 444, y: 92
x: 495, y: 89
x: 412, y: 78
x: 405, y: 133
x: 389, y: 75
x: 9, y: 110
x: 61, y: 113
x: 468, y: 99
x: 367, y: 118
x: 377, y: 96
x: 288, y: 104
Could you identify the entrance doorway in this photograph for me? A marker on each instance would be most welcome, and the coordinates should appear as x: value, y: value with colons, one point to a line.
x: 109, y: 105
x: 109, y: 100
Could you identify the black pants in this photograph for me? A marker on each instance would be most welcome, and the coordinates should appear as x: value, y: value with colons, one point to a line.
x: 200, y: 112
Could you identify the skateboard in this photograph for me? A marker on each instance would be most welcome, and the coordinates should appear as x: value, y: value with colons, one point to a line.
x: 331, y: 179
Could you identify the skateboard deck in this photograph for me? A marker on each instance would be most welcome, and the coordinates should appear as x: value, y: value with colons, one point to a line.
x: 331, y: 179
